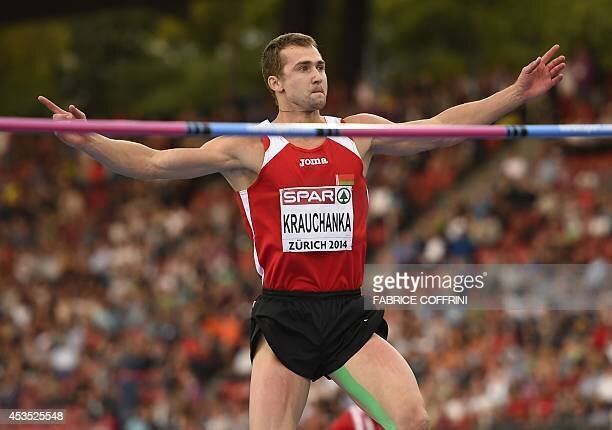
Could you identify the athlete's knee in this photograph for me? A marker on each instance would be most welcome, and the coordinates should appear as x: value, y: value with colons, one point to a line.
x: 422, y: 421
x: 413, y: 419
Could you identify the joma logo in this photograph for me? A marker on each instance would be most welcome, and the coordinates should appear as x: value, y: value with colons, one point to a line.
x: 312, y: 161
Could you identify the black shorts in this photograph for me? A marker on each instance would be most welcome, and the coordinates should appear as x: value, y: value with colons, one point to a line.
x: 314, y: 334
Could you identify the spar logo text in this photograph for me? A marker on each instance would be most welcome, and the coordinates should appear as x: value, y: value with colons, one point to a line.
x: 305, y: 196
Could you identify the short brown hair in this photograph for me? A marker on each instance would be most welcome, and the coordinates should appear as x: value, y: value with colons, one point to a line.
x: 271, y: 64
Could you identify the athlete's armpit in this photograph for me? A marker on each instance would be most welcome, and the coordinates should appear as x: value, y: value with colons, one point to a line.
x: 219, y: 155
x: 394, y: 145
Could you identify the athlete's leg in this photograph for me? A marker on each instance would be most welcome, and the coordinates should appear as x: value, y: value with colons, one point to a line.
x: 277, y: 395
x: 378, y: 378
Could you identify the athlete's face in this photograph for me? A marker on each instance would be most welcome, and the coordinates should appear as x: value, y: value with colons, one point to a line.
x: 303, y: 82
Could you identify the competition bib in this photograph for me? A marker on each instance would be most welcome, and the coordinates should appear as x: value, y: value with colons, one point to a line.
x: 317, y: 218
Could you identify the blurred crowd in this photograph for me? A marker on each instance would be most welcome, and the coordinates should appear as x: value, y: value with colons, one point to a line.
x: 127, y: 302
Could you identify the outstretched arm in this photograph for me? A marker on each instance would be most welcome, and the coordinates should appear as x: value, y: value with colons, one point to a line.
x: 139, y: 161
x: 534, y: 80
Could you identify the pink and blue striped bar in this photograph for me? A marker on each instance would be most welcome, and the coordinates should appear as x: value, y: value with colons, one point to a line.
x: 183, y: 128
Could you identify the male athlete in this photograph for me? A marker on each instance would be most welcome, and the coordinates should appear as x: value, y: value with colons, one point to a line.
x: 305, y: 205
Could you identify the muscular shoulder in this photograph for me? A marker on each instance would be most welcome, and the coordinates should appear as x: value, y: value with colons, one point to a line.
x: 232, y: 143
x: 364, y: 144
x: 366, y: 118
x: 246, y: 150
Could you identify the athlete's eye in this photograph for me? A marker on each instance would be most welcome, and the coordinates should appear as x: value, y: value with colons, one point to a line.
x: 321, y: 67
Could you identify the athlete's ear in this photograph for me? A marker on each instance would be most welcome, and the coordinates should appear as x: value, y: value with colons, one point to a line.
x: 275, y: 84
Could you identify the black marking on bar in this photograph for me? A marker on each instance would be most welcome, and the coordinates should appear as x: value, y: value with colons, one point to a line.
x: 199, y: 128
x: 331, y: 132
x: 321, y: 132
x: 190, y: 128
x: 516, y: 131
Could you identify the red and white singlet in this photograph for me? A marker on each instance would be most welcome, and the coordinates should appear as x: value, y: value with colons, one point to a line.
x: 306, y: 214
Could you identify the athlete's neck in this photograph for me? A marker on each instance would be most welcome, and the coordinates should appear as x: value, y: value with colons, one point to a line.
x: 301, y: 116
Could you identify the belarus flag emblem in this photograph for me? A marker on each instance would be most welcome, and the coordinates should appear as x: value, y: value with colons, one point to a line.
x: 345, y: 179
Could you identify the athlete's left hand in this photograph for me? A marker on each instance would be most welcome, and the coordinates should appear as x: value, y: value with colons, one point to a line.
x: 540, y: 75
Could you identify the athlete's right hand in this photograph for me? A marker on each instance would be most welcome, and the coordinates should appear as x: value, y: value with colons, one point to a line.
x: 72, y: 139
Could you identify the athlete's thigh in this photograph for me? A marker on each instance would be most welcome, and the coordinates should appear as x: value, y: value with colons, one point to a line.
x: 277, y: 395
x: 379, y: 379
